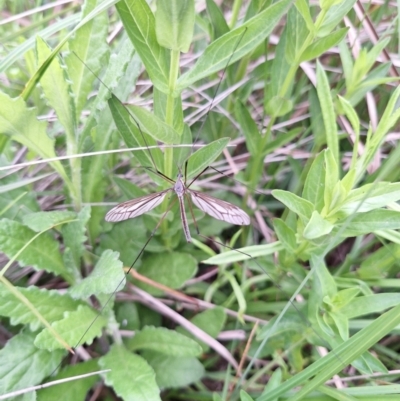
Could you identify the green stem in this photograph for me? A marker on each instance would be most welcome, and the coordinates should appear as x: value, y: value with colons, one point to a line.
x: 169, y: 119
x: 235, y: 12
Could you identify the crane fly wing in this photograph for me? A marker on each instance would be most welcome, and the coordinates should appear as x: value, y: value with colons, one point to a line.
x: 219, y: 209
x: 135, y: 207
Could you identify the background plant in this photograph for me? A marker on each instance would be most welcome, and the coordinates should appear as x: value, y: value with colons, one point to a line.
x: 334, y: 240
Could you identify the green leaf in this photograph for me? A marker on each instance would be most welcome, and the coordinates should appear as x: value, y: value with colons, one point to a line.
x: 55, y: 84
x: 21, y: 183
x: 297, y: 32
x: 278, y: 106
x: 328, y: 112
x: 21, y: 125
x: 201, y: 159
x: 321, y: 45
x: 153, y: 126
x: 74, y: 328
x: 164, y: 341
x: 320, y: 371
x: 43, y: 221
x: 141, y: 384
x: 334, y: 16
x: 23, y: 365
x: 296, y: 204
x: 248, y: 252
x: 366, y: 223
x: 211, y: 321
x: 317, y: 226
x: 172, y: 269
x: 248, y: 127
x: 331, y: 180
x: 286, y: 235
x: 66, y: 391
x: 74, y: 238
x: 314, y: 186
x: 174, y: 372
x: 139, y: 24
x: 244, y: 396
x: 234, y: 45
x: 89, y: 44
x: 369, y: 304
x: 49, y: 303
x: 107, y: 277
x: 133, y: 137
x: 220, y: 27
x: 370, y: 197
x: 42, y: 253
x: 174, y: 22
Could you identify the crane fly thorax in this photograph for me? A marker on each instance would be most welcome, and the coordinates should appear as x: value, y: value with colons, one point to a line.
x: 179, y: 186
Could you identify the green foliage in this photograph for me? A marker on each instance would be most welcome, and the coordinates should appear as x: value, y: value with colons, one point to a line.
x: 322, y: 272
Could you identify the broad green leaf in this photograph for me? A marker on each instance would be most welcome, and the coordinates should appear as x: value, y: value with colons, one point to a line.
x: 172, y: 269
x: 285, y: 234
x: 89, y: 44
x: 296, y: 204
x: 202, y: 158
x: 366, y: 223
x: 139, y: 23
x: 328, y: 112
x: 248, y: 252
x: 24, y: 365
x: 107, y: 277
x: 153, y: 126
x: 234, y: 45
x: 74, y: 328
x: 314, y: 186
x: 49, y: 303
x: 141, y: 385
x: 21, y: 125
x: 321, y: 45
x: 127, y: 238
x: 174, y: 21
x: 42, y: 253
x: 55, y: 84
x: 133, y: 137
x: 67, y: 391
x: 248, y: 127
x: 317, y: 226
x: 164, y: 341
x: 370, y: 197
x: 175, y: 371
x: 43, y: 221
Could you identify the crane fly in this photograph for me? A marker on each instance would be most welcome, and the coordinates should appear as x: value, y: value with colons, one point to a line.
x: 214, y: 207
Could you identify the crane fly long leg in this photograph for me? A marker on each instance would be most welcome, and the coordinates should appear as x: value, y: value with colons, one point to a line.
x: 184, y: 219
